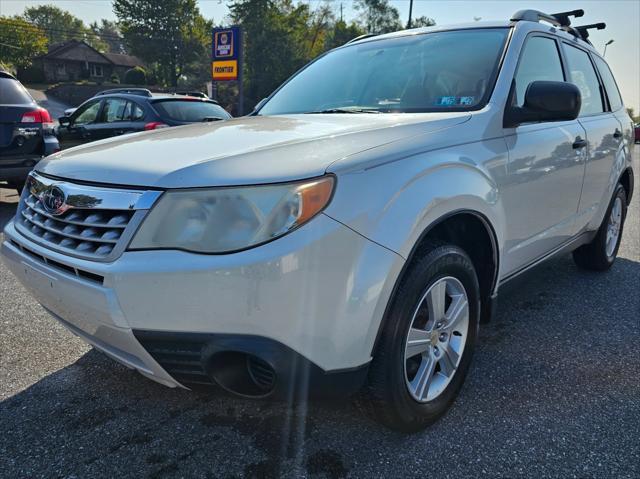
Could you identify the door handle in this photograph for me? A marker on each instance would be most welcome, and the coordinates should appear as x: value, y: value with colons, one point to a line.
x: 617, y: 134
x: 118, y: 132
x: 579, y: 143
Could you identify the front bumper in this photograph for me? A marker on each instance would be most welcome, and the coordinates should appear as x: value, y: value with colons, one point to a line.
x: 314, y: 297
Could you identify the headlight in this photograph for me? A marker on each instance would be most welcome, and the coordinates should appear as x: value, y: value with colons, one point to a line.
x: 221, y: 220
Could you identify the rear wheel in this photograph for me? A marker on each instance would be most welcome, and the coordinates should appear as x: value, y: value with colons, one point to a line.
x: 600, y: 254
x: 427, y: 341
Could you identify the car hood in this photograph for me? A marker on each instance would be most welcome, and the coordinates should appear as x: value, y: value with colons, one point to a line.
x: 241, y: 151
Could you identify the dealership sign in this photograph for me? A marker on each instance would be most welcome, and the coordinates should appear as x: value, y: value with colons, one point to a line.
x: 226, y: 55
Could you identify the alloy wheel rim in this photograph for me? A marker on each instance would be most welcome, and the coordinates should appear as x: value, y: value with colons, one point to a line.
x: 613, y: 227
x: 436, y: 339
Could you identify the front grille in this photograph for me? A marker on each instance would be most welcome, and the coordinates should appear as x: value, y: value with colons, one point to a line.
x: 85, y: 231
x: 87, y: 222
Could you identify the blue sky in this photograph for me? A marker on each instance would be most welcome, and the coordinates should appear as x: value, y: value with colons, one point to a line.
x: 621, y: 16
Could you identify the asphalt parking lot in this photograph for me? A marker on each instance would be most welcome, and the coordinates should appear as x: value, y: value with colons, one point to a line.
x: 554, y: 391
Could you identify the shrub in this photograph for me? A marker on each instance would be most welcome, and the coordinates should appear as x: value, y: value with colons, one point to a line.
x: 135, y: 76
x: 115, y: 78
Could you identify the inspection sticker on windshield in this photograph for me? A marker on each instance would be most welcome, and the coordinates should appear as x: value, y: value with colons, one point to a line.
x: 455, y: 100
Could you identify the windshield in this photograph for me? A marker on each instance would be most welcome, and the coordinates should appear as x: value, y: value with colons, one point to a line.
x: 190, y: 110
x: 438, y: 71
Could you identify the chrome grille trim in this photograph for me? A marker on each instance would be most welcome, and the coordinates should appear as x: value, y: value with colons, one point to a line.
x: 95, y: 223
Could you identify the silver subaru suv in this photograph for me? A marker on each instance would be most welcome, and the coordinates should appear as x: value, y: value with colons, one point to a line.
x: 349, y: 235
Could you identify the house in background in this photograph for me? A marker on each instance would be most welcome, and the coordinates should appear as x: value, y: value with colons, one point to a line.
x: 76, y: 60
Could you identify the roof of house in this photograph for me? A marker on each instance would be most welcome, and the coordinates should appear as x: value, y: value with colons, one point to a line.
x: 119, y: 59
x: 79, y: 50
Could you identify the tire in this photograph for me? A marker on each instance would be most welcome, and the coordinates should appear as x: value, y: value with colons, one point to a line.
x: 393, y: 385
x: 18, y: 186
x: 599, y: 255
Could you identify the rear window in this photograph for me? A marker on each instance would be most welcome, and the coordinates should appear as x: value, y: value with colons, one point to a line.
x: 609, y: 84
x: 13, y: 93
x: 190, y: 110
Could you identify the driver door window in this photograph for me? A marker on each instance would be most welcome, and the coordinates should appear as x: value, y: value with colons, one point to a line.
x: 539, y: 61
x: 87, y: 114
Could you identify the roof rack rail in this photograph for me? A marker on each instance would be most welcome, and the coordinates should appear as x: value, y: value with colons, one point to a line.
x: 361, y: 37
x: 563, y: 17
x: 535, y: 16
x: 131, y: 91
x: 583, y: 30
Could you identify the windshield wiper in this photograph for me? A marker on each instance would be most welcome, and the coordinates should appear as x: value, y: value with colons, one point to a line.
x: 344, y: 110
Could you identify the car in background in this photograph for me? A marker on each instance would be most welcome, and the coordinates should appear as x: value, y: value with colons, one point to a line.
x: 121, y: 111
x: 26, y: 132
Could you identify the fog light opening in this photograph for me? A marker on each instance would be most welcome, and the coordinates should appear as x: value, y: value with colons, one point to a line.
x: 241, y: 373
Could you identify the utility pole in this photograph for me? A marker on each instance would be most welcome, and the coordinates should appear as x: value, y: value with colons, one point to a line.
x: 605, y: 47
x: 340, y: 11
x: 410, y: 13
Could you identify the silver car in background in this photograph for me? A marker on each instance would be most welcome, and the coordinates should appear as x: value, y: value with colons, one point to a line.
x: 353, y: 232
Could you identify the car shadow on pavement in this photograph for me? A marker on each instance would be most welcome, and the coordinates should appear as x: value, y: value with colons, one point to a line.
x: 537, y: 377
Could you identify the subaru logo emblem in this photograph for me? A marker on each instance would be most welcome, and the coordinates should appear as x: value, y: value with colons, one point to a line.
x: 53, y: 200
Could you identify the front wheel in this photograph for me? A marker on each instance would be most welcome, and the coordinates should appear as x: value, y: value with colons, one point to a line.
x: 427, y: 341
x: 600, y: 254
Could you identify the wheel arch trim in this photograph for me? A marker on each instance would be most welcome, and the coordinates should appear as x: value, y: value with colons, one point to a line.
x: 462, y: 211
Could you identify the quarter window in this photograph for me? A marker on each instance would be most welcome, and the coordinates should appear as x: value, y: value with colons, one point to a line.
x: 582, y: 74
x: 609, y: 84
x: 539, y: 61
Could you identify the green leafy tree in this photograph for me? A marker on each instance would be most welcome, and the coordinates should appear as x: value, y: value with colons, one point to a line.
x: 61, y: 26
x: 135, y: 76
x: 422, y: 21
x: 378, y: 16
x: 20, y: 42
x: 109, y: 33
x: 273, y: 46
x: 170, y: 34
x: 340, y: 33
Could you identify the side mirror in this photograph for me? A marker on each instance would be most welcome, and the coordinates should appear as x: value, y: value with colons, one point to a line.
x: 64, y: 121
x: 545, y: 101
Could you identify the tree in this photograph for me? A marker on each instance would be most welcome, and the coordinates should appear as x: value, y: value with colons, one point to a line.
x: 377, y: 16
x: 109, y: 33
x: 135, y: 76
x: 340, y: 33
x: 274, y: 46
x: 422, y: 21
x: 20, y: 42
x: 61, y: 26
x: 170, y: 34
x: 631, y: 112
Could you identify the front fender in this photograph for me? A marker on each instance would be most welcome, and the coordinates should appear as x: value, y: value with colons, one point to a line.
x: 394, y: 203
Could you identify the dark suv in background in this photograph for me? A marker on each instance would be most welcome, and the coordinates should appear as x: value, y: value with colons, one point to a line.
x: 26, y: 132
x: 117, y: 112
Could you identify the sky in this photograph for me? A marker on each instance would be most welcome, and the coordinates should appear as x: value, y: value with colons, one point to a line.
x: 621, y: 16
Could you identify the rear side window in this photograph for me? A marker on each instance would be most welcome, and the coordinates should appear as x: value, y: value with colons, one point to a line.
x: 13, y: 93
x: 114, y: 110
x: 539, y: 61
x: 609, y: 84
x: 582, y: 74
x: 190, y: 110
